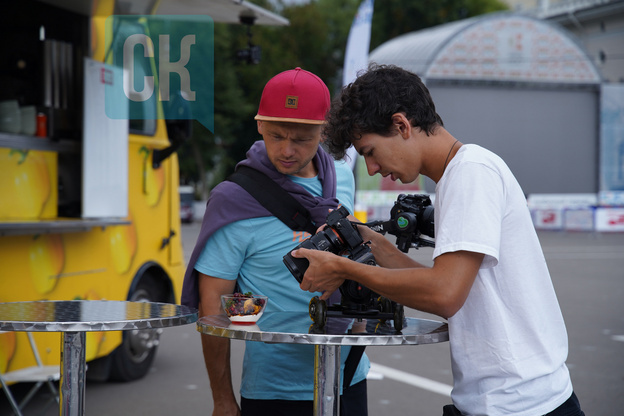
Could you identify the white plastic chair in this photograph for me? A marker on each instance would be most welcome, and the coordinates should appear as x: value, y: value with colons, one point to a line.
x: 39, y: 374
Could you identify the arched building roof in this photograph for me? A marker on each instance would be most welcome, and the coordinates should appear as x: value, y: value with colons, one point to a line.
x: 493, y: 47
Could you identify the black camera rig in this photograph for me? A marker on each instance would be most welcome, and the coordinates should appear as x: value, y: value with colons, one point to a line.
x: 410, y: 218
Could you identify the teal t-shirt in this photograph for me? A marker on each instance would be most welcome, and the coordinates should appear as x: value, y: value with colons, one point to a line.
x: 251, y: 251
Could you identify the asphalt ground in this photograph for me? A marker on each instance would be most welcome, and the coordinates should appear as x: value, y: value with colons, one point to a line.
x: 588, y: 273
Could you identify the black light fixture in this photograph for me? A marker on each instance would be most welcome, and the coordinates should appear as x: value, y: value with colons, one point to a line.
x: 253, y: 53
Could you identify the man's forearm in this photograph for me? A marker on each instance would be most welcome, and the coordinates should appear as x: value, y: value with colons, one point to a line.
x: 441, y: 289
x: 388, y: 255
x: 217, y: 358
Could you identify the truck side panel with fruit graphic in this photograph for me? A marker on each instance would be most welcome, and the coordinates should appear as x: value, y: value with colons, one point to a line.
x: 48, y: 249
x: 53, y: 245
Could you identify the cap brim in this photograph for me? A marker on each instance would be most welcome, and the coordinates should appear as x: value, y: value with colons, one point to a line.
x: 289, y: 120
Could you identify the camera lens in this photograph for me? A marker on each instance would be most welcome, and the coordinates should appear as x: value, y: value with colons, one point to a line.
x: 297, y: 267
x: 426, y: 224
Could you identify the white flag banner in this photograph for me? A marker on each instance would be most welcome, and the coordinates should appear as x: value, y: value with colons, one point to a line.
x: 356, y: 54
x: 358, y: 42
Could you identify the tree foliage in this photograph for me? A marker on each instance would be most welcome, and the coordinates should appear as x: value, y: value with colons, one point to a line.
x: 315, y: 40
x: 392, y: 18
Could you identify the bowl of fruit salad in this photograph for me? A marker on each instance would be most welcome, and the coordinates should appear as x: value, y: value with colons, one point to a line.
x: 243, y: 308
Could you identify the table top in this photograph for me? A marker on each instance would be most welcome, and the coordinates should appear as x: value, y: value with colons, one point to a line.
x: 92, y: 315
x: 297, y: 328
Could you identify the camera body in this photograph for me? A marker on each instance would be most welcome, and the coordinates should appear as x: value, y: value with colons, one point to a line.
x: 340, y: 236
x: 410, y: 218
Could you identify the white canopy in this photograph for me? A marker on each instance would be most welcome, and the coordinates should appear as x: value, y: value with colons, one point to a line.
x: 224, y: 11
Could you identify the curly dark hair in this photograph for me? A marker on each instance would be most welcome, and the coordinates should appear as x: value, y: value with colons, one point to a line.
x: 367, y: 105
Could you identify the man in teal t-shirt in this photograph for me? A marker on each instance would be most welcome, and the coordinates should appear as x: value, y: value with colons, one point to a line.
x: 242, y: 243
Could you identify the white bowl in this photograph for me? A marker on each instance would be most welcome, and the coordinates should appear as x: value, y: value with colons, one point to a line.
x: 243, y: 309
x: 251, y: 327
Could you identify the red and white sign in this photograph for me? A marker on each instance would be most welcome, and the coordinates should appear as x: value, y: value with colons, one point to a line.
x: 548, y: 219
x: 610, y: 219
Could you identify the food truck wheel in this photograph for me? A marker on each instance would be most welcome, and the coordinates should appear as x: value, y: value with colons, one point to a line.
x: 133, y: 358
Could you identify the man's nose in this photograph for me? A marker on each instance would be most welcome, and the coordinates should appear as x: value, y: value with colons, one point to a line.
x: 288, y: 148
x: 372, y: 168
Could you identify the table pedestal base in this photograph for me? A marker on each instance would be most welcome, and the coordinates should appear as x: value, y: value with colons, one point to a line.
x: 294, y: 328
x: 73, y: 374
x: 74, y: 318
x: 326, y: 380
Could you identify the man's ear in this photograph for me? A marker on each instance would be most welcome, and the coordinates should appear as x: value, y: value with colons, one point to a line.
x: 259, y: 124
x: 402, y: 125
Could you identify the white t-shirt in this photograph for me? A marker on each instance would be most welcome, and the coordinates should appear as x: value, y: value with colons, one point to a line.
x: 508, y: 341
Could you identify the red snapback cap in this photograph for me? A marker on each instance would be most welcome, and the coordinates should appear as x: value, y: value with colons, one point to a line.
x: 295, y: 96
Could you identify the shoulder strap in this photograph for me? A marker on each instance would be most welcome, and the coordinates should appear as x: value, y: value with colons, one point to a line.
x: 351, y: 364
x: 288, y: 210
x: 274, y: 198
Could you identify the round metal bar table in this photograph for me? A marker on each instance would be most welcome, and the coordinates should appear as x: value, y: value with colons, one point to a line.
x: 75, y: 318
x: 297, y: 328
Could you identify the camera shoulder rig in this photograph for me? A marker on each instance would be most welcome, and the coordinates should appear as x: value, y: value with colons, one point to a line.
x: 411, y: 217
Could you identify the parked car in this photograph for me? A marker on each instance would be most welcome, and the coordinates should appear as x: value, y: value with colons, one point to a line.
x: 187, y: 197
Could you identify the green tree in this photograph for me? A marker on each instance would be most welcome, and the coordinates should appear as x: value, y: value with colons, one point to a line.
x: 392, y: 18
x: 206, y: 158
x: 315, y: 40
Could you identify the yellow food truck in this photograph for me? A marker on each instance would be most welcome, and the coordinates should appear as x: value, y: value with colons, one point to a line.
x: 89, y: 205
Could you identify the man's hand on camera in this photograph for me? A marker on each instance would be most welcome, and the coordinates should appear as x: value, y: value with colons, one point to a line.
x: 323, y: 273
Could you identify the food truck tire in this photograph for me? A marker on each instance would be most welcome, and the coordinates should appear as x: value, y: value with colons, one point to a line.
x: 133, y: 358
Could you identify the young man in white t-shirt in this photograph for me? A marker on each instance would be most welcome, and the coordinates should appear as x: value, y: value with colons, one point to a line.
x: 489, y: 279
